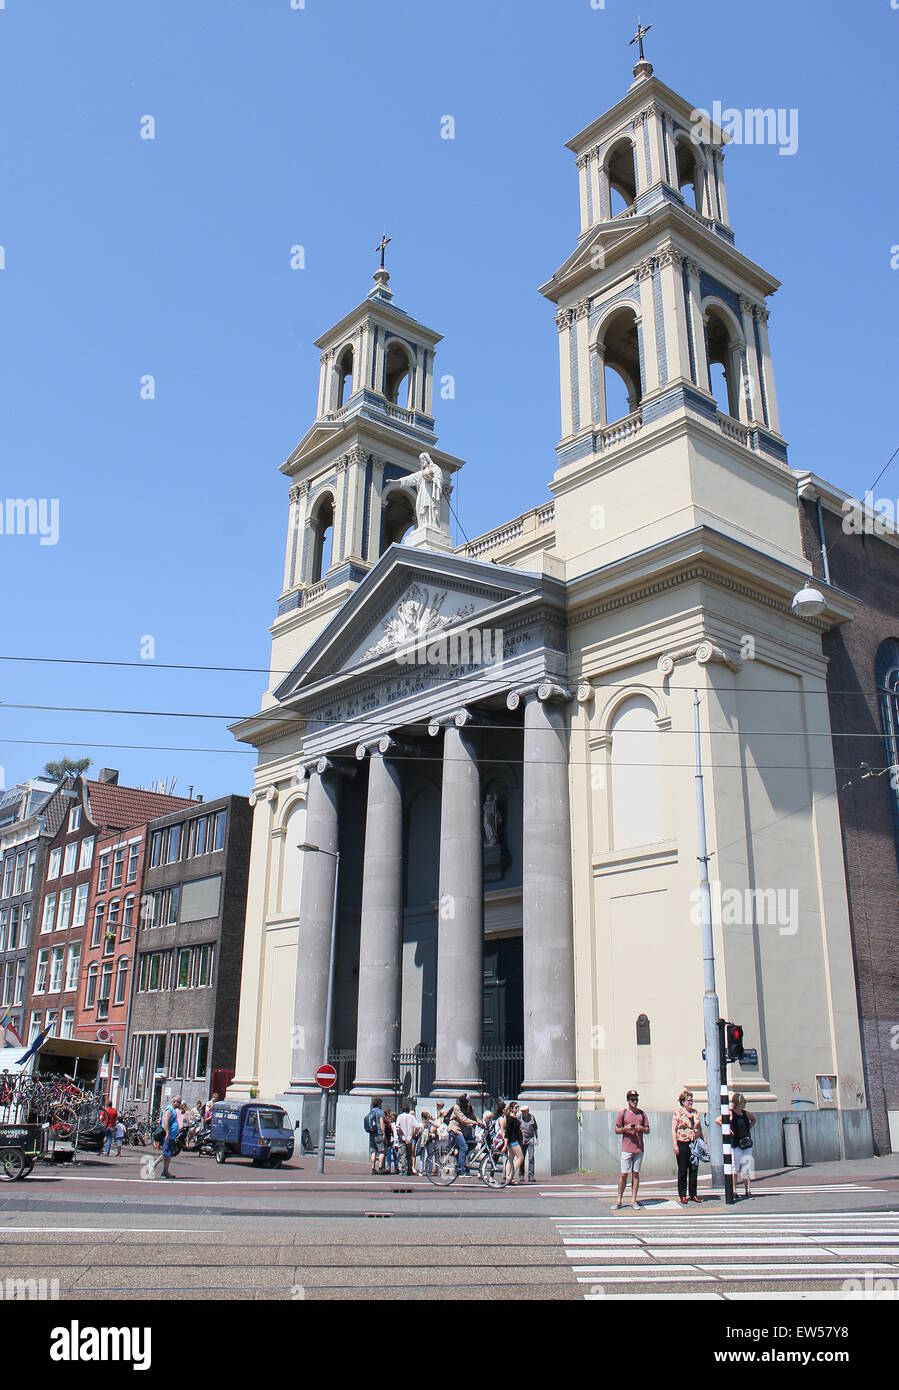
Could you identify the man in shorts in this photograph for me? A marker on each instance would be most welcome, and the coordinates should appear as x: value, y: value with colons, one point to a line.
x: 376, y: 1149
x: 631, y: 1123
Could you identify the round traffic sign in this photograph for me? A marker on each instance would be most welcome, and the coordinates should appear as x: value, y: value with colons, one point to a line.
x: 326, y: 1076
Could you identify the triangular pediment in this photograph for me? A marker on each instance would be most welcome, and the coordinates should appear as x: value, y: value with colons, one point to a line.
x: 605, y: 236
x: 412, y: 596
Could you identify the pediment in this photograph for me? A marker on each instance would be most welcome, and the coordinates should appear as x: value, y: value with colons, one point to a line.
x: 411, y: 597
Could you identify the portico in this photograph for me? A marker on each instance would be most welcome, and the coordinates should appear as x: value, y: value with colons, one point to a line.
x: 430, y: 750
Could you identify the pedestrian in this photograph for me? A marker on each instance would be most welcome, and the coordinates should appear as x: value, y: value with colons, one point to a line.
x: 631, y: 1124
x: 108, y: 1117
x: 391, y: 1152
x: 119, y: 1137
x: 426, y: 1143
x: 513, y: 1146
x: 374, y: 1128
x: 460, y: 1122
x: 207, y: 1112
x: 529, y: 1139
x: 685, y: 1127
x: 170, y: 1123
x: 406, y: 1129
x: 741, y: 1122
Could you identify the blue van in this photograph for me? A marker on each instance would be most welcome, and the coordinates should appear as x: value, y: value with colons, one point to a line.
x: 252, y: 1129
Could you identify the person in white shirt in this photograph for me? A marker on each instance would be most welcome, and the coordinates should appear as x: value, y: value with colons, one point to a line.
x: 406, y: 1127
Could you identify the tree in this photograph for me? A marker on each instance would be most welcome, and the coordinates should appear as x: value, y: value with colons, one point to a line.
x: 64, y: 767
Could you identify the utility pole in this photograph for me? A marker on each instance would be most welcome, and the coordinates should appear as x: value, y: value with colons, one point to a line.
x: 715, y: 1067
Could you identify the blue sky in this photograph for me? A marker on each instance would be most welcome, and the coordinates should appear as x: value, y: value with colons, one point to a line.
x: 321, y: 126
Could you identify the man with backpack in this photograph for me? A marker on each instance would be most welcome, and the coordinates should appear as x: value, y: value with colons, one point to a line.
x: 631, y: 1123
x: 374, y: 1128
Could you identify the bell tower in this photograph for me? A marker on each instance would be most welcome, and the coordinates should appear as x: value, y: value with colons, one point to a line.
x: 668, y: 403
x: 374, y: 418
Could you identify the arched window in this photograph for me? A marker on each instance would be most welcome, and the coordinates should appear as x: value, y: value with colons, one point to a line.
x: 725, y: 354
x: 886, y: 671
x: 344, y: 377
x: 690, y: 173
x: 399, y: 517
x: 638, y: 813
x: 621, y: 177
x: 321, y: 523
x: 396, y: 374
x: 619, y: 363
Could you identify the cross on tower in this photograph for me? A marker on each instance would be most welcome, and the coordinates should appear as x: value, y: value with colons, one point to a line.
x: 383, y: 245
x: 638, y: 38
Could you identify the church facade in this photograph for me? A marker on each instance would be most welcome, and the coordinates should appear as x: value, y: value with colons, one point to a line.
x: 478, y: 763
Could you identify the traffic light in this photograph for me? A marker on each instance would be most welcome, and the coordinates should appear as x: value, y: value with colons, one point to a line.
x: 735, y: 1042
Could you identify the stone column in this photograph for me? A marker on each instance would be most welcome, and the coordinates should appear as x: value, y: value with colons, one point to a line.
x: 768, y: 369
x: 756, y: 411
x: 314, y: 932
x: 547, y: 917
x: 381, y: 938
x: 698, y: 326
x: 460, y: 916
x: 563, y: 323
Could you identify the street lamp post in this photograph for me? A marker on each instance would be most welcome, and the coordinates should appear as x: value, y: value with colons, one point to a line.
x: 710, y: 1009
x: 329, y: 1008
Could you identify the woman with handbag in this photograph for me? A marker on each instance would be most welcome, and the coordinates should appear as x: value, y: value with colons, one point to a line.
x: 685, y: 1127
x: 741, y: 1122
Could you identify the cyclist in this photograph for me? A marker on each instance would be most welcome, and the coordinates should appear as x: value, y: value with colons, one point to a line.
x: 460, y: 1122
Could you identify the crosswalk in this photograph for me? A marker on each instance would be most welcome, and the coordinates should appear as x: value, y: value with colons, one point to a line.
x: 831, y: 1255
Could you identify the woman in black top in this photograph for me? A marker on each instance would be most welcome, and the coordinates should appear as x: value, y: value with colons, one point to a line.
x: 514, y: 1150
x: 741, y: 1122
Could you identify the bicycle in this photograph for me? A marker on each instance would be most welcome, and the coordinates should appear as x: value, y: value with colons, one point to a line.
x: 480, y: 1162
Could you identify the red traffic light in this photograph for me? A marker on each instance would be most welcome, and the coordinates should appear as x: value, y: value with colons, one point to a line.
x: 734, y: 1042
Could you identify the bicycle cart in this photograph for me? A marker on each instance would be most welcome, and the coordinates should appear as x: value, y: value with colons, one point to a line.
x: 20, y: 1148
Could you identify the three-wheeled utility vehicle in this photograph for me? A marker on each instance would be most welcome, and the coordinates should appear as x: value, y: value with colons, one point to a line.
x: 20, y: 1148
x: 254, y: 1129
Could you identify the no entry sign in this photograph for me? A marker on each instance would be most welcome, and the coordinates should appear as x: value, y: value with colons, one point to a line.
x: 326, y: 1076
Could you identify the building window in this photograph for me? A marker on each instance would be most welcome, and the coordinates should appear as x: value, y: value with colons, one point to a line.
x: 201, y: 1066
x: 219, y: 830
x: 7, y: 979
x: 20, y: 874
x: 97, y: 925
x: 13, y: 928
x: 29, y: 870
x: 128, y: 917
x: 112, y: 925
x: 133, y: 858
x: 204, y: 959
x: 50, y: 1022
x: 165, y: 845
x: 20, y: 982
x: 26, y: 926
x: 886, y: 671
x: 65, y: 910
x: 73, y: 966
x: 184, y: 964
x: 80, y: 905
x: 49, y: 912
x: 34, y: 1027
x: 121, y: 980
x: 71, y: 859
x: 178, y: 1055
x: 7, y: 875
x: 163, y: 907
x: 87, y: 853
x: 103, y: 878
x: 4, y: 922
x: 54, y: 863
x: 56, y: 970
x: 74, y: 818
x: 90, y: 993
x: 118, y: 867
x: 68, y: 1023
x: 105, y: 991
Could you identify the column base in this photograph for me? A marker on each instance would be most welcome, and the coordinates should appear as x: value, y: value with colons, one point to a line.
x: 452, y: 1090
x: 304, y: 1109
x: 558, y: 1131
x: 242, y: 1088
x: 548, y: 1090
x: 350, y: 1139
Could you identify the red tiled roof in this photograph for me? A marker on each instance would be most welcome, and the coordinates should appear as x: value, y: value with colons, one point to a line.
x: 117, y: 808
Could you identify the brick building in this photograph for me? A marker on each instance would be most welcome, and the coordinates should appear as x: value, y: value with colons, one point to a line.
x: 189, y: 952
x: 26, y: 821
x: 862, y: 559
x: 94, y: 811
